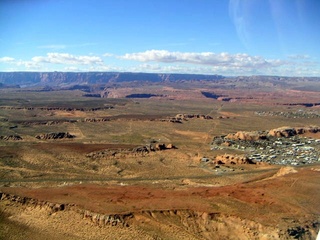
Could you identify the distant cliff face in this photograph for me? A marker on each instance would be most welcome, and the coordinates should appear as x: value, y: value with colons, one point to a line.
x: 72, y: 78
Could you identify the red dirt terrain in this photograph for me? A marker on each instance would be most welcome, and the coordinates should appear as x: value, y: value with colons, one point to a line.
x: 270, y: 206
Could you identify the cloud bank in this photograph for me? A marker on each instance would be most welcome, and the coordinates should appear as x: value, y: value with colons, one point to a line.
x: 239, y: 60
x: 163, y: 61
x: 66, y: 58
x: 6, y: 59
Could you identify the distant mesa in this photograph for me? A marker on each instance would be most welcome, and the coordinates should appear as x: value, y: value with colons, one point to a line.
x: 83, y: 79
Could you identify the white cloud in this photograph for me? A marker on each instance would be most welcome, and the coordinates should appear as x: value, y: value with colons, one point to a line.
x: 108, y: 55
x: 29, y: 65
x: 26, y: 64
x: 7, y: 59
x: 66, y: 58
x: 218, y: 63
x: 183, y: 68
x: 242, y: 60
x: 162, y: 61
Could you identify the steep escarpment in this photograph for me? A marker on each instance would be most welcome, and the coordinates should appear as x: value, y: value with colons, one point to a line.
x: 200, y: 224
x: 75, y: 78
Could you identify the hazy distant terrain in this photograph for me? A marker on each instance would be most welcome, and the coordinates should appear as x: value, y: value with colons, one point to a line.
x: 71, y: 78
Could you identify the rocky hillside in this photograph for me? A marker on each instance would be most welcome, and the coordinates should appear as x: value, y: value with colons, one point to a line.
x: 73, y: 78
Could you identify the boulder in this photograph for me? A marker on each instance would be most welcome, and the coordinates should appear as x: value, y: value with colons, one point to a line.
x: 169, y: 146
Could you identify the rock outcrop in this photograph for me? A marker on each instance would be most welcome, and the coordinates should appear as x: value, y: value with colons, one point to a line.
x: 246, y: 136
x: 11, y: 138
x: 137, y: 151
x: 290, y: 131
x: 53, y: 207
x: 283, y: 132
x: 179, y: 118
x: 44, y: 122
x: 264, y: 135
x: 96, y: 218
x: 99, y: 119
x: 108, y: 219
x: 58, y: 135
x: 185, y: 117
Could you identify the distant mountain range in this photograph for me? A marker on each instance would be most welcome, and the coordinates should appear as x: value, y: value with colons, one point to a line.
x: 28, y: 79
x: 89, y: 81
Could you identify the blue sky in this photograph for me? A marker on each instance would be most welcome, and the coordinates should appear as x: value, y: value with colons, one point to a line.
x: 228, y: 37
